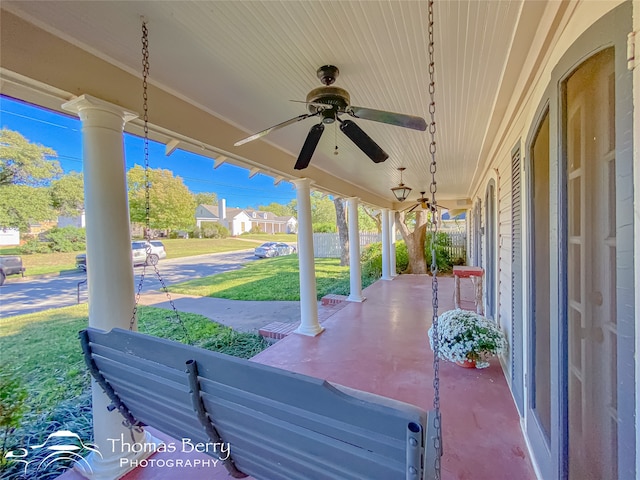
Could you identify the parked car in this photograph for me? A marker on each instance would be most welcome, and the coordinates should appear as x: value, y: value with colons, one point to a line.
x: 10, y: 265
x: 274, y: 249
x: 147, y: 252
x: 138, y: 254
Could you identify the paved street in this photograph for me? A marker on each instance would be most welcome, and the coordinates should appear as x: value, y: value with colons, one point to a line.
x: 28, y: 295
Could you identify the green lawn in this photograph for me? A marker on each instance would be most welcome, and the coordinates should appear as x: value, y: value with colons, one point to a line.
x: 41, y: 263
x: 271, y: 237
x: 180, y: 247
x: 271, y: 279
x: 44, y: 351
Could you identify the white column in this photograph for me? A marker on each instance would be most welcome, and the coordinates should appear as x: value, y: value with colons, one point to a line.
x: 385, y: 245
x: 308, y: 295
x: 636, y: 226
x: 109, y: 265
x: 355, y: 271
x: 392, y: 233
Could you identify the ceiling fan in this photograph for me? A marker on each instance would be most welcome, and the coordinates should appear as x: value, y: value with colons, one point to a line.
x: 329, y: 103
x: 423, y: 202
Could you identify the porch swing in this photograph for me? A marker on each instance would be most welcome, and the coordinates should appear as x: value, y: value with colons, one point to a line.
x: 259, y: 420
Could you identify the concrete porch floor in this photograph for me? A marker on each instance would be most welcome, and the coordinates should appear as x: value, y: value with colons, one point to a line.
x: 381, y: 346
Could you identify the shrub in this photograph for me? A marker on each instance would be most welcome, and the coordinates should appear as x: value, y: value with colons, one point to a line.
x: 67, y: 239
x: 255, y: 229
x: 214, y: 230
x: 12, y: 406
x: 324, y: 228
x: 443, y: 257
x: 371, y: 259
x: 402, y: 257
x: 33, y: 245
x: 372, y: 256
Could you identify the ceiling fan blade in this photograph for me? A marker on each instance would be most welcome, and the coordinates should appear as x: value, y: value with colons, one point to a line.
x: 255, y: 136
x: 309, y: 146
x: 363, y: 141
x: 399, y: 119
x: 414, y: 207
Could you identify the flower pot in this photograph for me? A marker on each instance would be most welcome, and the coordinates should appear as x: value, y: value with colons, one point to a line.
x: 467, y: 364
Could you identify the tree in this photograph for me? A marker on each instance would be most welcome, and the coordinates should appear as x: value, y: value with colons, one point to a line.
x: 343, y: 231
x: 371, y: 218
x: 25, y: 172
x: 67, y: 194
x: 322, y: 209
x: 205, y: 198
x: 414, y: 239
x: 172, y: 205
x: 278, y: 209
x: 25, y: 163
x: 21, y: 205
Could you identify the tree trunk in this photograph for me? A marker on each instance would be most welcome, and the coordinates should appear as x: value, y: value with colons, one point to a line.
x: 415, y: 241
x: 343, y: 231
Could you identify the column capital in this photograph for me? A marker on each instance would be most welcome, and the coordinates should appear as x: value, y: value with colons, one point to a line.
x: 352, y: 199
x: 89, y: 102
x: 302, y: 182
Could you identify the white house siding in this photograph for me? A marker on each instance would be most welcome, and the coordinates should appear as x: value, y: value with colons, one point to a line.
x: 9, y: 236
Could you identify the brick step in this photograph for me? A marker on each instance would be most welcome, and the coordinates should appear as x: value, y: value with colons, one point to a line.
x: 277, y: 330
x: 333, y: 299
x: 330, y: 304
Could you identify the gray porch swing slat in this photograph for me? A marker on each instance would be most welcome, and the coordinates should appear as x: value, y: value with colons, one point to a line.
x: 280, y: 425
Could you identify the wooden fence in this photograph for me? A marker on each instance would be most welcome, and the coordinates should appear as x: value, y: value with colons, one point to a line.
x: 327, y: 245
x: 458, y: 247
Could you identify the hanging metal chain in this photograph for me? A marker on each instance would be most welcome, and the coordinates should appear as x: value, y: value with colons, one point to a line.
x: 147, y: 192
x: 434, y: 264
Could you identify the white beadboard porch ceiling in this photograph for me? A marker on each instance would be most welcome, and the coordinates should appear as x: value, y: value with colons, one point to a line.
x: 244, y: 61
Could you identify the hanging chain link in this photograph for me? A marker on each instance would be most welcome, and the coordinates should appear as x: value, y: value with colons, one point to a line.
x: 147, y: 192
x: 434, y: 265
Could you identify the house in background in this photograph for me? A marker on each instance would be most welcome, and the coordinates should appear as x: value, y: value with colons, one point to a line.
x: 9, y: 237
x: 75, y: 221
x: 269, y: 222
x: 239, y: 220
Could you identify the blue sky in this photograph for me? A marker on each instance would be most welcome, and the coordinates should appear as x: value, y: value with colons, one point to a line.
x: 63, y: 134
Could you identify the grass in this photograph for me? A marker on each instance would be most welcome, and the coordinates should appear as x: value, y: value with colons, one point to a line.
x: 42, y: 263
x: 180, y: 247
x: 271, y: 237
x: 44, y: 351
x: 61, y: 262
x: 271, y: 279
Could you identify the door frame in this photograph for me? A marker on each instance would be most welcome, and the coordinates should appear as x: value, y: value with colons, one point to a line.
x: 608, y: 31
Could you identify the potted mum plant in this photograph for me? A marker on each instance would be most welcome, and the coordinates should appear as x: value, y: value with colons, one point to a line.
x: 467, y: 338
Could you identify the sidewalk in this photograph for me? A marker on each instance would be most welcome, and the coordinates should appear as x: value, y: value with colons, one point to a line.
x: 241, y: 315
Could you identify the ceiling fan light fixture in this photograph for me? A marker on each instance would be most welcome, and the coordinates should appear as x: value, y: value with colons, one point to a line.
x: 401, y: 192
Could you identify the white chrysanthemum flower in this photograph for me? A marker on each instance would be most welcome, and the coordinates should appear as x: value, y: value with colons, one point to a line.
x: 465, y: 335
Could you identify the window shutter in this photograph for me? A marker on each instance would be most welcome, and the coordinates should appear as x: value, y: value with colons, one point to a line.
x: 517, y: 385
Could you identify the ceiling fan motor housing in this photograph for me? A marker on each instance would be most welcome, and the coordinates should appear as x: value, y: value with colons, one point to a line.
x: 337, y: 97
